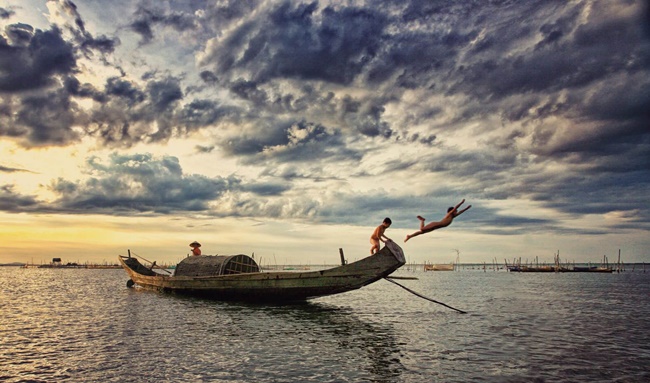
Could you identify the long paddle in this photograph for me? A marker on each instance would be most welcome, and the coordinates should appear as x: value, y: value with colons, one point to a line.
x: 422, y: 296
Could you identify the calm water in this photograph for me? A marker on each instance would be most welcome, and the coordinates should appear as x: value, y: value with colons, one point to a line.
x: 86, y: 326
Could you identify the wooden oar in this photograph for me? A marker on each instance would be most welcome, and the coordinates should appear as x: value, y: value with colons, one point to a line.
x: 423, y: 297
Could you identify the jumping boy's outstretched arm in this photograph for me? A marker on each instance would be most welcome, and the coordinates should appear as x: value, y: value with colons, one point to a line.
x: 462, y: 211
x: 456, y: 213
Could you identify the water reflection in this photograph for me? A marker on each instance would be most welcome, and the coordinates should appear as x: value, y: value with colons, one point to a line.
x: 292, y: 340
x: 376, y: 342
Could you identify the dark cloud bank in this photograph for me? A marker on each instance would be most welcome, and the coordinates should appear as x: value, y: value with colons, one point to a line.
x: 568, y: 84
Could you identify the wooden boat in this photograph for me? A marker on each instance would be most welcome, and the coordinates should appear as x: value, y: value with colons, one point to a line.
x: 559, y: 269
x: 439, y: 267
x: 238, y: 277
x: 591, y: 269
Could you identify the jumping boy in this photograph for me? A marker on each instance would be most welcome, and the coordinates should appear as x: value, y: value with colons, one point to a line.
x: 378, y: 235
x: 452, y: 213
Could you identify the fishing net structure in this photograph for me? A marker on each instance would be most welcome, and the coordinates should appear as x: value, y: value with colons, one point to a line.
x: 213, y: 265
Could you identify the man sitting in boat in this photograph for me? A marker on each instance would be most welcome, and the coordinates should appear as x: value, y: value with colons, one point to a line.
x: 196, y: 248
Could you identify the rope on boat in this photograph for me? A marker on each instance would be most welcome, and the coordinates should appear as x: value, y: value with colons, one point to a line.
x: 422, y: 296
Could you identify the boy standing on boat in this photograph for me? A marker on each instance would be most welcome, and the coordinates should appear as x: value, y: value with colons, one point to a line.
x: 452, y: 213
x: 378, y: 235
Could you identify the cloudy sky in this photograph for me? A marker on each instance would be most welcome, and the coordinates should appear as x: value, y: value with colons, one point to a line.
x: 291, y: 129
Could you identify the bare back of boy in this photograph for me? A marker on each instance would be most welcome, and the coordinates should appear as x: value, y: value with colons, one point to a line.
x: 374, y: 238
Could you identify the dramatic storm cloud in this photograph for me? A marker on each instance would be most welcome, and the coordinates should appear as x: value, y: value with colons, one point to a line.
x: 329, y: 112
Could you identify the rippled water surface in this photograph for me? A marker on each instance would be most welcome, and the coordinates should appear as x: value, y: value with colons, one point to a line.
x: 86, y: 326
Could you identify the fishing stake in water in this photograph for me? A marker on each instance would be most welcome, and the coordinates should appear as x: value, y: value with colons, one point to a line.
x: 422, y: 296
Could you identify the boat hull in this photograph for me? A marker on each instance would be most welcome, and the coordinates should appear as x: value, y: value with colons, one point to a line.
x: 555, y: 269
x: 275, y: 286
x: 439, y: 267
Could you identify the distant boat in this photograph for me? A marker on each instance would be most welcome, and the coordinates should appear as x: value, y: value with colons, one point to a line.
x: 238, y: 277
x: 591, y: 269
x: 439, y: 267
x: 559, y: 269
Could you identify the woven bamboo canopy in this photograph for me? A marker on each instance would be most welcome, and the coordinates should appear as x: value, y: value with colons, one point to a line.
x: 213, y: 265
